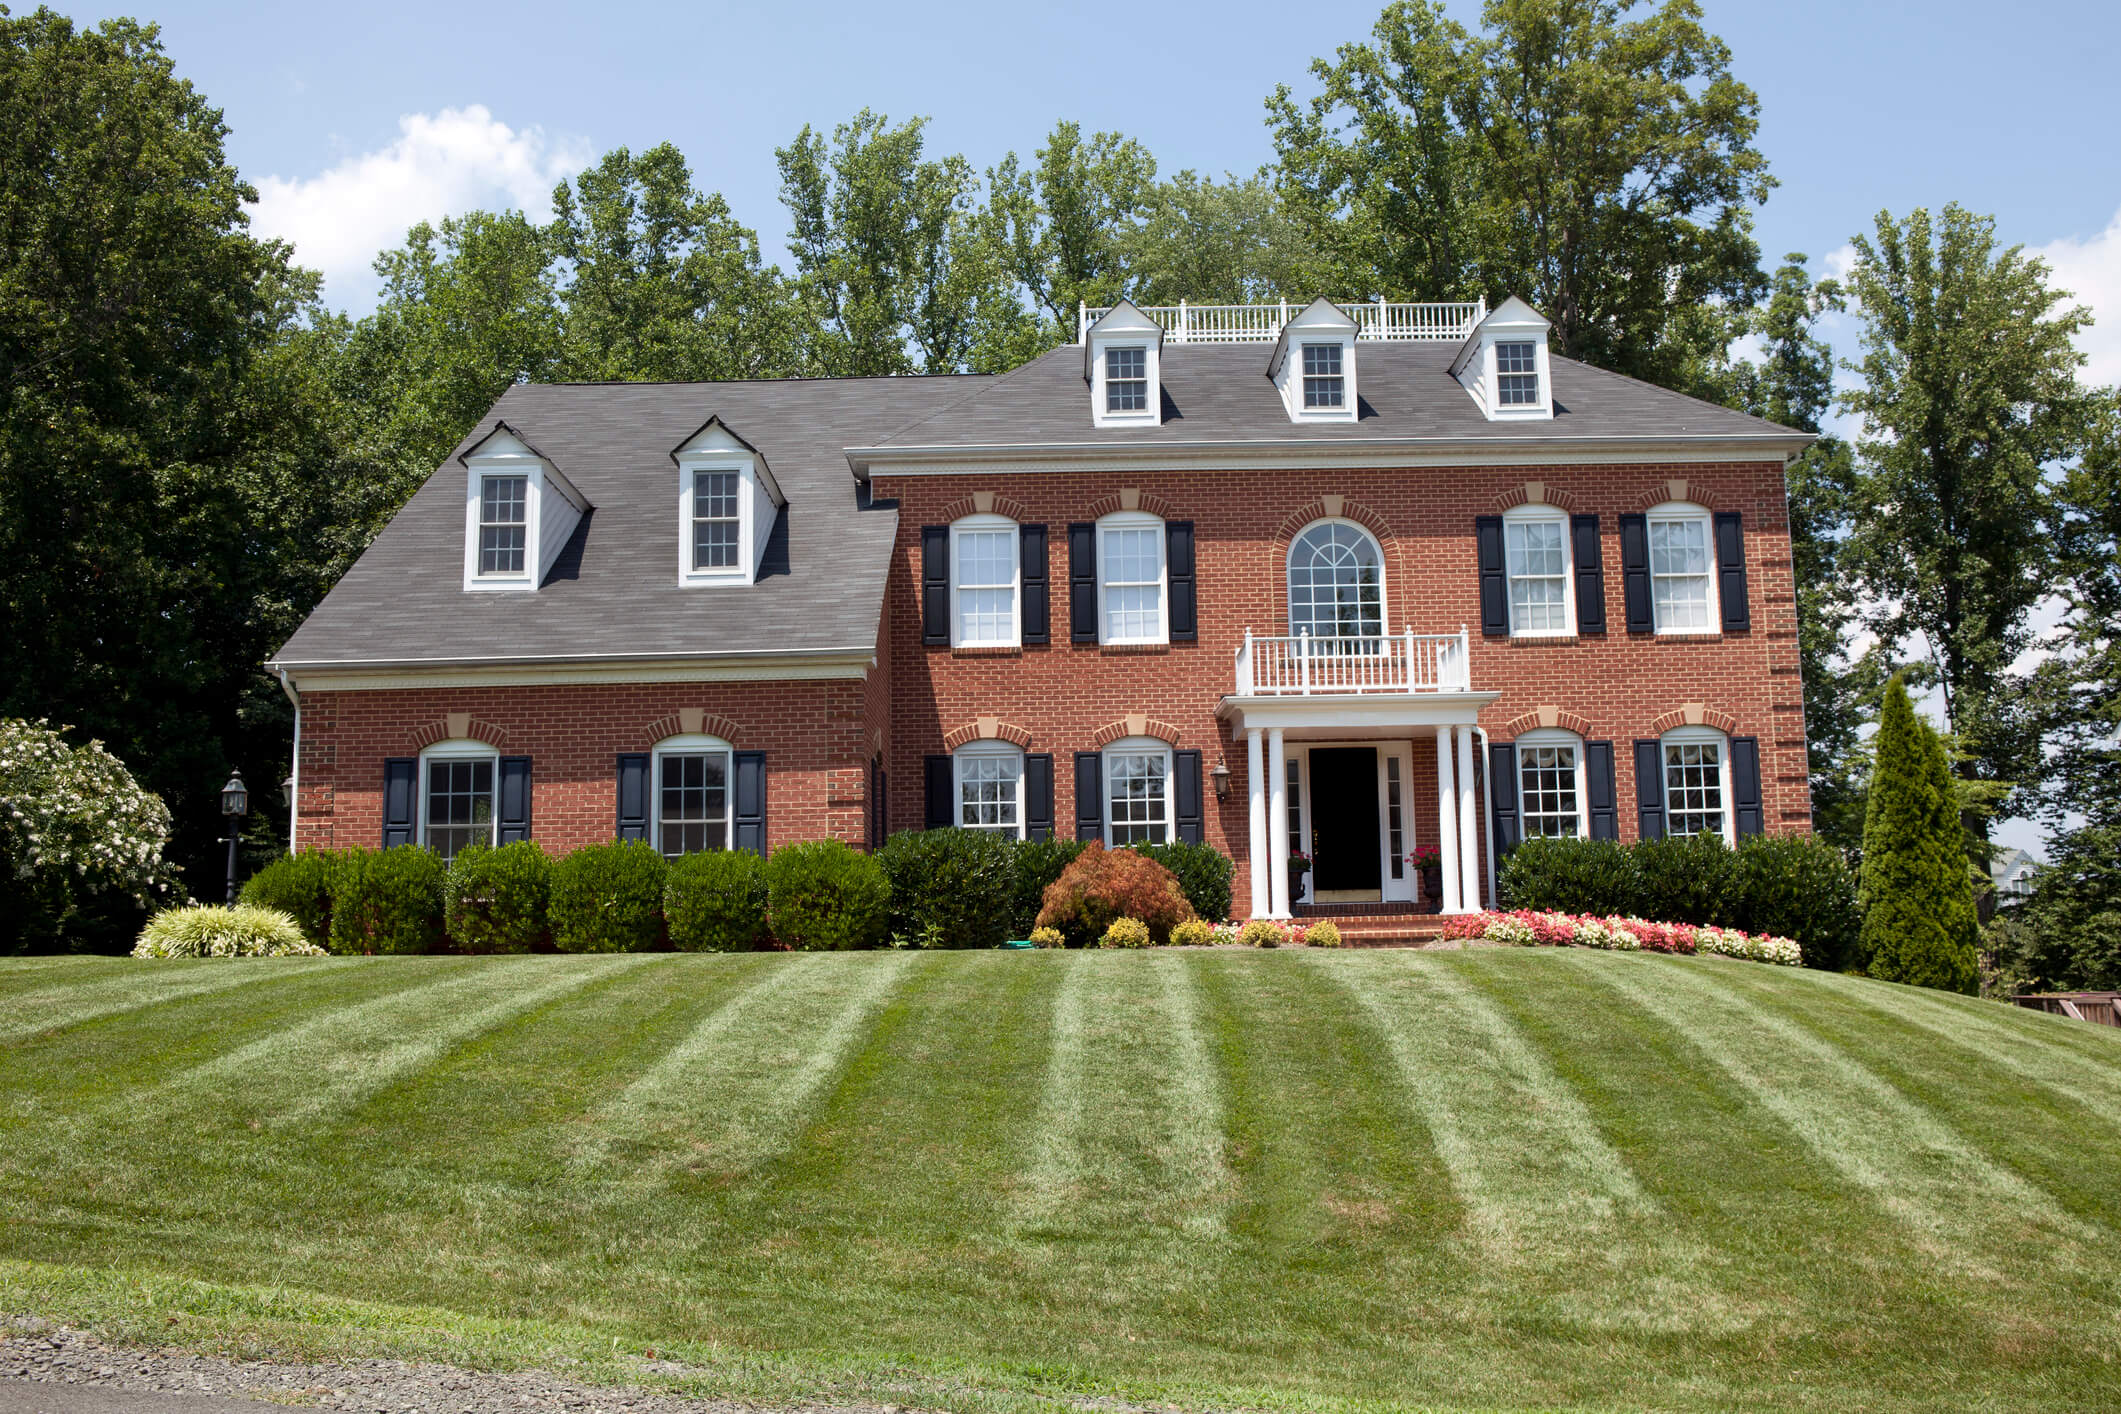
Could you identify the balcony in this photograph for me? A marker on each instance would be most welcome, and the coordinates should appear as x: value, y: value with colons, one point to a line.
x: 1262, y: 323
x: 1393, y: 665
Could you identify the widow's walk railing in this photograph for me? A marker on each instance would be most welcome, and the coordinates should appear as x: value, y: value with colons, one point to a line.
x: 1301, y: 665
x: 1185, y: 323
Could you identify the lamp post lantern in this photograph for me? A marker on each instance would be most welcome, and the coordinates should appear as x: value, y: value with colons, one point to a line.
x: 235, y: 804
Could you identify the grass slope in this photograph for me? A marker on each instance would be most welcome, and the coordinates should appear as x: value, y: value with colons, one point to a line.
x: 983, y: 1180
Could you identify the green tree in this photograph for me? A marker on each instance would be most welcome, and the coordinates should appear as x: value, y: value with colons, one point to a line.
x: 1969, y: 399
x: 1227, y: 242
x: 1601, y: 167
x: 1064, y: 223
x: 1919, y: 925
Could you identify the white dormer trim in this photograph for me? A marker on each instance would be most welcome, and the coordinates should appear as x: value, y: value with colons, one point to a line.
x: 1124, y: 327
x: 1513, y: 322
x: 551, y: 511
x: 715, y: 448
x: 1321, y: 325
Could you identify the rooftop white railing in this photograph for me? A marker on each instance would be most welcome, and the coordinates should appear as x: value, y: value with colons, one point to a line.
x: 1302, y: 665
x: 1262, y: 323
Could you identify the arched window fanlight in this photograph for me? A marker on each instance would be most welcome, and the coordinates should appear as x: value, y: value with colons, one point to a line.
x: 1336, y: 582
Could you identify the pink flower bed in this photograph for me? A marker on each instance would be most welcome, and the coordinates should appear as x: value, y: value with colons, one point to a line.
x: 1526, y: 928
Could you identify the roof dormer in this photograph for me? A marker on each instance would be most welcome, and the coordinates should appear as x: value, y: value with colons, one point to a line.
x: 1313, y: 366
x: 1503, y: 364
x: 1122, y: 363
x: 519, y: 512
x: 727, y: 504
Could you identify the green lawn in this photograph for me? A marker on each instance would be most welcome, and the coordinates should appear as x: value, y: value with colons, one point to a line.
x: 981, y: 1180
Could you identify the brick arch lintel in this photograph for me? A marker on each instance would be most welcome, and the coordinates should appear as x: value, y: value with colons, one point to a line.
x: 1535, y: 493
x: 1675, y: 489
x: 1695, y: 714
x: 1135, y: 724
x: 1333, y: 508
x: 986, y: 729
x: 1546, y: 716
x: 460, y: 726
x: 1129, y: 499
x: 981, y: 503
x: 693, y: 721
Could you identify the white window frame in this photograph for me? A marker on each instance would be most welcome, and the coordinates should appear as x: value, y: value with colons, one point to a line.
x: 1669, y: 511
x: 1105, y: 368
x: 462, y: 749
x: 1288, y: 583
x: 973, y: 751
x: 692, y: 744
x: 1135, y: 520
x: 1138, y: 746
x: 1149, y: 340
x: 505, y: 460
x: 1699, y: 736
x: 1340, y: 375
x: 1537, y: 373
x: 984, y: 524
x: 690, y: 464
x: 1552, y: 737
x: 1541, y: 514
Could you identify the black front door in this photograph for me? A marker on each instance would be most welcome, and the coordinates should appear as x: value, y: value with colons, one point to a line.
x: 1344, y: 845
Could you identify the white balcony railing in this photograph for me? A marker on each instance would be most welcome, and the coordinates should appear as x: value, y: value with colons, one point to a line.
x: 1262, y: 323
x: 1304, y: 666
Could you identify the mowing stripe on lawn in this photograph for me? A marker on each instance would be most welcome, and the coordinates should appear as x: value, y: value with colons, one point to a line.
x: 1510, y: 1131
x: 56, y: 1008
x: 1915, y: 1166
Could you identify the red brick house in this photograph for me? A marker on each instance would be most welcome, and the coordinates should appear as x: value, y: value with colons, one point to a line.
x: 1345, y: 582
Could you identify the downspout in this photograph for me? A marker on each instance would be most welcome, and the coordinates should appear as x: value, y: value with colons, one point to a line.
x: 294, y: 775
x: 1487, y: 813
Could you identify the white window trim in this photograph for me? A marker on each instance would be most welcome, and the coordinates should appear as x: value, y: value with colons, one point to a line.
x: 1554, y: 736
x: 462, y: 749
x: 1152, y: 368
x: 1347, y: 411
x: 691, y: 745
x: 1015, y: 636
x: 1288, y: 589
x: 1491, y: 370
x: 975, y: 750
x: 1542, y: 513
x: 1139, y: 746
x: 747, y: 495
x: 1136, y: 520
x: 505, y: 463
x: 1683, y: 510
x: 1681, y: 736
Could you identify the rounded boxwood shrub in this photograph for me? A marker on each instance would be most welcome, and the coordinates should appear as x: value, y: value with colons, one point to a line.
x: 1104, y: 885
x: 1038, y: 864
x: 1048, y: 938
x: 955, y: 886
x: 1262, y: 933
x: 1691, y: 879
x: 1125, y: 933
x: 245, y: 930
x: 715, y: 901
x: 608, y: 898
x: 1801, y: 888
x: 494, y: 900
x: 1203, y: 873
x: 1193, y: 933
x: 822, y: 896
x: 298, y: 885
x: 1322, y: 934
x: 1569, y: 876
x: 387, y: 900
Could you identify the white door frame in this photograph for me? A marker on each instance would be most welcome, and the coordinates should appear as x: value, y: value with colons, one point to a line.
x: 1406, y: 887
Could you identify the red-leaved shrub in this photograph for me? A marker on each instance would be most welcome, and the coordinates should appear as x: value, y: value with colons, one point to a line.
x: 1102, y: 885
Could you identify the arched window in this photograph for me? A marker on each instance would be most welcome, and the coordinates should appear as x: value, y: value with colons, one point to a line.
x: 1536, y: 560
x: 1138, y: 791
x: 1551, y: 797
x: 1697, y: 783
x: 691, y: 794
x: 1130, y: 578
x: 457, y: 795
x: 1336, y: 582
x: 988, y: 777
x: 984, y: 581
x: 1682, y: 568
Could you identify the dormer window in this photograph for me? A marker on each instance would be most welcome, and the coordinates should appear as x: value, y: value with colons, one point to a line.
x: 728, y: 503
x: 1516, y: 375
x: 519, y: 513
x: 1503, y: 364
x: 1313, y: 365
x: 1126, y: 380
x: 504, y: 522
x: 1323, y: 385
x: 1123, y: 364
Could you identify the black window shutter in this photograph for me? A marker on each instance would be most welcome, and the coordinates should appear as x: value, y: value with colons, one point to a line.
x: 1590, y: 574
x: 751, y: 802
x: 1494, y: 589
x: 1082, y: 583
x: 633, y: 795
x: 879, y: 815
x: 1037, y: 598
x: 935, y: 584
x: 1186, y: 797
x: 401, y: 800
x: 1502, y: 788
x: 1745, y: 785
x: 514, y: 811
x: 1730, y: 571
x: 1038, y: 796
x: 1178, y: 567
x: 1635, y: 572
x: 940, y: 782
x: 1649, y: 790
x: 1598, y: 780
x: 1089, y: 795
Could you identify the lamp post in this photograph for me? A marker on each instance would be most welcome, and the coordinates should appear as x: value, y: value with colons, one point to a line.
x: 235, y: 804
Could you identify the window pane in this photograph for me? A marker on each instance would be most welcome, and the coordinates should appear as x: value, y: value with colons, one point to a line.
x: 717, y: 519
x: 692, y: 801
x: 1323, y: 385
x: 1126, y: 380
x: 503, y: 506
x: 459, y: 804
x: 1679, y: 572
x: 1336, y: 584
x: 1395, y: 823
x: 1536, y: 564
x: 1135, y: 797
x: 1133, y: 562
x: 1693, y: 788
x: 1547, y: 790
x: 988, y: 788
x: 1517, y: 375
x: 986, y: 577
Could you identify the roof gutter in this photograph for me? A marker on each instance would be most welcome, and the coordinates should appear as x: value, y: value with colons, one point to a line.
x: 282, y: 665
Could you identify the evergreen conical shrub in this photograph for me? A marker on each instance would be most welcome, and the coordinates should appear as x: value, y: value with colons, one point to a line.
x: 1919, y: 925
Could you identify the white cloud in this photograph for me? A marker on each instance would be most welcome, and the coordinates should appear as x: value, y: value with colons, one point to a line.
x: 442, y: 164
x: 2090, y: 269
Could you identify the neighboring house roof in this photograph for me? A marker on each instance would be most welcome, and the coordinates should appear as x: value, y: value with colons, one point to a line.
x: 2010, y: 862
x: 614, y: 592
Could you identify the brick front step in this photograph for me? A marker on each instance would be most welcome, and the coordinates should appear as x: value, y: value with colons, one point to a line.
x: 1370, y: 925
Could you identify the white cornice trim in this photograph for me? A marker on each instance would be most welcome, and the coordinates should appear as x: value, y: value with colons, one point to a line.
x: 805, y: 665
x: 1355, y: 712
x: 1350, y: 452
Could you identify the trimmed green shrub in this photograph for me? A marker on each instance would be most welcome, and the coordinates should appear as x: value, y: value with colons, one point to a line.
x: 1193, y: 933
x: 1105, y: 885
x: 1048, y: 938
x: 1038, y: 864
x: 1690, y: 879
x: 1203, y: 873
x: 298, y: 885
x: 1262, y: 933
x: 608, y: 898
x: 822, y: 896
x: 1125, y: 933
x: 387, y: 901
x: 715, y: 901
x: 1322, y: 934
x: 1569, y: 876
x: 1919, y: 924
x: 245, y: 930
x: 494, y: 900
x: 1801, y: 888
x: 955, y: 886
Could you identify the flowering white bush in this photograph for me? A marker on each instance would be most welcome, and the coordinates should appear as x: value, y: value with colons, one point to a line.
x: 1611, y: 934
x: 213, y: 931
x: 1511, y: 929
x: 74, y: 822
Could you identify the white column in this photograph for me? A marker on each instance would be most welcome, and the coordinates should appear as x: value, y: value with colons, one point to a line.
x: 1277, y: 825
x: 1256, y: 778
x: 1468, y: 824
x: 1447, y: 820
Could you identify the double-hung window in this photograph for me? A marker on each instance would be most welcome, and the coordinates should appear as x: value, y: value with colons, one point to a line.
x: 1550, y: 787
x: 1682, y: 570
x: 1697, y: 792
x: 1324, y: 385
x: 1536, y: 559
x: 692, y: 796
x: 717, y: 520
x: 457, y: 796
x: 1137, y: 792
x: 1130, y: 554
x: 984, y: 582
x: 1516, y: 375
x: 504, y: 521
x: 1127, y: 380
x: 990, y: 788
